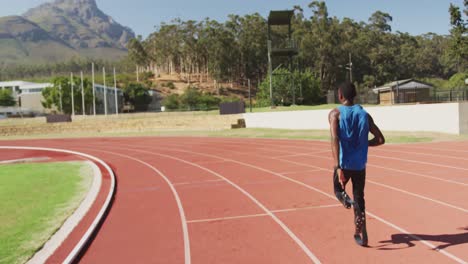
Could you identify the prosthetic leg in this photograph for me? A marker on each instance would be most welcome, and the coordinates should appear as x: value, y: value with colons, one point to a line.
x: 360, y: 235
x: 340, y: 193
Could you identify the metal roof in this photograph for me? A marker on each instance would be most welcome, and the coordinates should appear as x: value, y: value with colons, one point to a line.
x: 14, y: 83
x: 280, y: 17
x: 403, y: 85
x: 25, y: 85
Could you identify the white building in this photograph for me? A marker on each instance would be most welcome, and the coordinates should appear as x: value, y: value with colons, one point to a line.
x: 28, y: 96
x: 110, y: 99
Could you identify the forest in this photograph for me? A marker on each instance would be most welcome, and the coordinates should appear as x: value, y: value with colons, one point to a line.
x: 236, y: 50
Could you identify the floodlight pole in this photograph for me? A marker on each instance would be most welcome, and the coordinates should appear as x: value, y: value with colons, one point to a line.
x: 82, y: 95
x: 115, y: 93
x: 105, y: 90
x: 250, y: 95
x: 72, y: 94
x: 270, y: 70
x: 350, y: 69
x: 61, y: 105
x: 94, y: 90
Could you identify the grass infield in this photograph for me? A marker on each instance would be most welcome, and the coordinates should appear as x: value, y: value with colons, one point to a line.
x: 35, y: 200
x: 324, y: 135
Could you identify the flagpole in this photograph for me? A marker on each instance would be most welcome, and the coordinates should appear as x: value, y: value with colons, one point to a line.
x: 115, y: 93
x: 72, y: 94
x: 94, y: 90
x: 82, y: 94
x: 105, y: 90
x: 61, y: 106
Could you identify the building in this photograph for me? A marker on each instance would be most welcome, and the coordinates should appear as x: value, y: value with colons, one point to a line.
x: 28, y: 96
x: 109, y: 98
x: 404, y: 91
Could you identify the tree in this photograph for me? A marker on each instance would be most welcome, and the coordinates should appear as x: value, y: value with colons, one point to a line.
x: 458, y: 50
x: 379, y: 21
x: 172, y: 102
x: 306, y: 85
x: 137, y: 95
x: 137, y: 53
x: 61, y: 91
x: 6, y: 98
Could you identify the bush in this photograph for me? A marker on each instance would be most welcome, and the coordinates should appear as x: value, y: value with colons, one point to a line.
x: 137, y: 95
x: 282, y: 91
x: 170, y: 85
x: 172, y: 102
x: 458, y: 80
x: 6, y: 98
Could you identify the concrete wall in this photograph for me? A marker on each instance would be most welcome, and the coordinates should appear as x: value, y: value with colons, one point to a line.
x: 463, y: 118
x: 445, y: 118
x: 32, y: 101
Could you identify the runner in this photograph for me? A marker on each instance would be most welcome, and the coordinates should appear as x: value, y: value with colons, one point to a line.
x: 350, y: 125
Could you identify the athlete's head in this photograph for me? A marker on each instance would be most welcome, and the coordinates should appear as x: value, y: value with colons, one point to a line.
x: 346, y: 92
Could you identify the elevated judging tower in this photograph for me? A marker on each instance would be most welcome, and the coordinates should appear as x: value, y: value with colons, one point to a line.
x: 281, y: 45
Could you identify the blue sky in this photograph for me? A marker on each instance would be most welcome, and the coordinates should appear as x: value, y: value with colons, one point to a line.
x: 413, y: 16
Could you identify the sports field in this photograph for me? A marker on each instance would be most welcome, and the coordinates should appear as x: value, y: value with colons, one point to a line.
x: 233, y: 200
x: 35, y: 200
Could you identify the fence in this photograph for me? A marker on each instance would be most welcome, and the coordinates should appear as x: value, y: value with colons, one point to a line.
x: 407, y: 96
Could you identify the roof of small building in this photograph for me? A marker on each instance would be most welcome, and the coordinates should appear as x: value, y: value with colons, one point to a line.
x: 24, y: 85
x: 408, y: 84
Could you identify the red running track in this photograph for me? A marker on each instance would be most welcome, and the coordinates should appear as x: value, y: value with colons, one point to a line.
x: 219, y: 200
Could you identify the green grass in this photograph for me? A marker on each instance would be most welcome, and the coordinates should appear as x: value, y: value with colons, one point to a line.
x: 296, y: 108
x: 291, y: 108
x: 35, y: 199
x: 323, y: 135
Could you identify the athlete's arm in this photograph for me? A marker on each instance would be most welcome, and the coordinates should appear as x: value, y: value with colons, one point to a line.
x: 333, y: 119
x: 375, y: 131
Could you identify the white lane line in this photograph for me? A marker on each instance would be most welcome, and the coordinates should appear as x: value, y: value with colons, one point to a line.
x: 418, y: 174
x: 423, y: 154
x: 176, y: 196
x: 268, y: 212
x: 299, y: 171
x: 393, y: 188
x: 300, y: 154
x: 408, y: 160
x: 422, y: 162
x: 258, y: 215
x: 26, y: 160
x: 420, y: 196
x: 197, y: 182
x: 210, y: 162
x: 430, y: 245
x: 71, y: 257
x: 436, y: 149
x: 225, y: 218
x: 402, y: 171
x: 370, y: 165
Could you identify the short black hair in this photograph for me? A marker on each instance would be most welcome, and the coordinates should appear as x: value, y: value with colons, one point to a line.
x: 348, y: 90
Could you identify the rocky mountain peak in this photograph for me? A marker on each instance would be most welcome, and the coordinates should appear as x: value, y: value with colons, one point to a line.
x: 81, y: 24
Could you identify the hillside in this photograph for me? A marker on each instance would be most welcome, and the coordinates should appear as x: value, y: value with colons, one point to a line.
x: 81, y: 24
x: 22, y: 40
x: 61, y: 30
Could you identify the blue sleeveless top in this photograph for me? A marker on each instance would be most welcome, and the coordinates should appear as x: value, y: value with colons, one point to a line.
x: 353, y: 134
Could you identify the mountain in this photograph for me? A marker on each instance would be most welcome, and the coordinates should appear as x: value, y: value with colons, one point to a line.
x: 81, y: 24
x: 61, y: 30
x: 22, y: 41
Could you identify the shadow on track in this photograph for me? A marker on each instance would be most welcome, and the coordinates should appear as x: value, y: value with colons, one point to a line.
x: 408, y: 240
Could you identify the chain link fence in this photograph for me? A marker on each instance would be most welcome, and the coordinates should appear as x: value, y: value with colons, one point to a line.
x: 406, y: 96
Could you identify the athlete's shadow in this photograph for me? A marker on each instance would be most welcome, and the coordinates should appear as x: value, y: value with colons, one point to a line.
x: 408, y: 240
